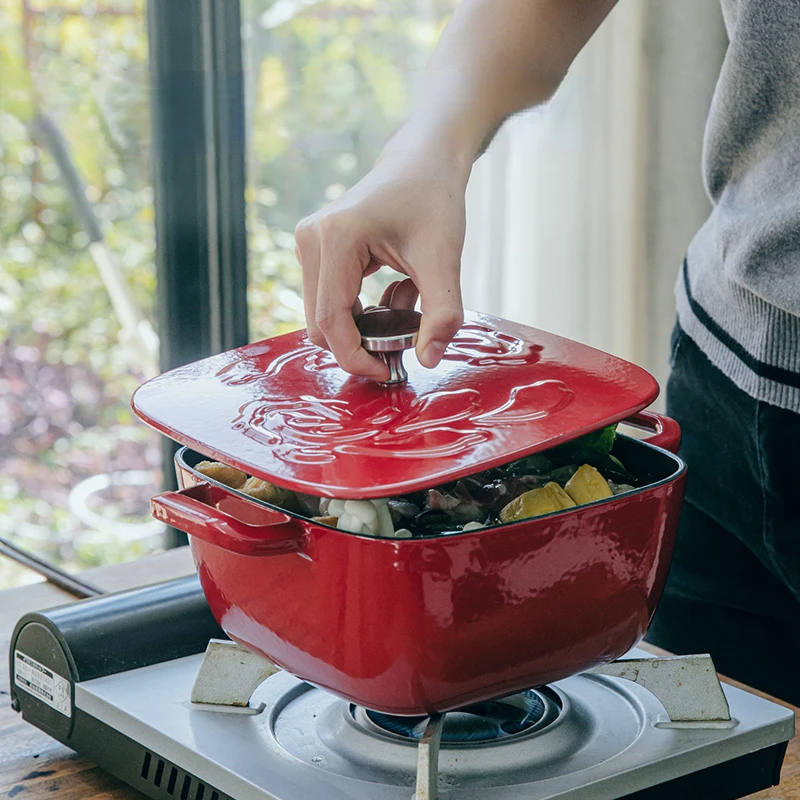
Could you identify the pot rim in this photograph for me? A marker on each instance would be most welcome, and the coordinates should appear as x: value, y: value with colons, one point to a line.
x: 619, y: 499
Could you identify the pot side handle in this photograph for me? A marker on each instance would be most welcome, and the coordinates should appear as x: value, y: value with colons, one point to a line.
x: 667, y: 431
x: 194, y: 511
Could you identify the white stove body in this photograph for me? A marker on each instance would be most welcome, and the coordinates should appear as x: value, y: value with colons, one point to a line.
x: 608, y: 741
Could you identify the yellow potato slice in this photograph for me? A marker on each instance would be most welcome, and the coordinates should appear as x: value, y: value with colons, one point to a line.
x: 269, y: 493
x: 551, y: 497
x: 222, y: 473
x: 587, y: 485
x: 330, y: 521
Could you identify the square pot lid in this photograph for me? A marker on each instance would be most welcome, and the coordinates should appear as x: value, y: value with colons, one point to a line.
x: 284, y: 411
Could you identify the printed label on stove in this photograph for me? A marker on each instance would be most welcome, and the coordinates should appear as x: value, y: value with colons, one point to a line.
x: 42, y: 682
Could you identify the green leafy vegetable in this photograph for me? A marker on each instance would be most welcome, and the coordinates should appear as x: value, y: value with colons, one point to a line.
x: 588, y: 449
x: 536, y: 464
x: 593, y: 448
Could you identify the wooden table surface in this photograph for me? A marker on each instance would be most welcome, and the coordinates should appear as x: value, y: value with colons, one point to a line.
x: 34, y: 766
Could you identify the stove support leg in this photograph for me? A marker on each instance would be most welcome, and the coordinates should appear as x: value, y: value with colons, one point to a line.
x: 428, y: 760
x: 687, y: 686
x: 229, y: 675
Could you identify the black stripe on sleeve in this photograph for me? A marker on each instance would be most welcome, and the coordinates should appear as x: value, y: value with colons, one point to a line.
x: 768, y: 371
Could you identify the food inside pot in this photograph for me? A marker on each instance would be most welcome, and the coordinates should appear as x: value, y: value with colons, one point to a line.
x: 573, y: 474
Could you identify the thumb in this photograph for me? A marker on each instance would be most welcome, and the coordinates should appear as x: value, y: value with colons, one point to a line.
x: 442, y: 313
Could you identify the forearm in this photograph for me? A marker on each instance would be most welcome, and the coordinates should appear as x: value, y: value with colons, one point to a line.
x: 495, y: 58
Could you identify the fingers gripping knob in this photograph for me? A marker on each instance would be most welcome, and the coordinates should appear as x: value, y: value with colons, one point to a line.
x: 386, y: 333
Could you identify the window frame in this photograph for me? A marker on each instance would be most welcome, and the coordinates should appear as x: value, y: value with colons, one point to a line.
x: 199, y: 178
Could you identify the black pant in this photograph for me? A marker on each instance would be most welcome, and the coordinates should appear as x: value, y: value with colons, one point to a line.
x: 734, y: 586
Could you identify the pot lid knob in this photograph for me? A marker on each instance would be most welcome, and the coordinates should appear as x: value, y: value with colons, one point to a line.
x: 386, y: 333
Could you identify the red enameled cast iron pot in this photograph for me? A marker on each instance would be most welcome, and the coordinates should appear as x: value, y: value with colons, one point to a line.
x: 414, y: 626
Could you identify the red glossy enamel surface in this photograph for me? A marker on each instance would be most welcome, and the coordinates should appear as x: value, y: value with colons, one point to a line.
x: 235, y: 524
x: 416, y: 626
x: 283, y: 410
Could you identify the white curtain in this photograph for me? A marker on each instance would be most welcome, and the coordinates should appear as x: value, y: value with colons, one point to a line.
x: 554, y: 227
x: 579, y: 214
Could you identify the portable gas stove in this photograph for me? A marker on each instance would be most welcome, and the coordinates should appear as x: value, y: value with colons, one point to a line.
x: 122, y: 679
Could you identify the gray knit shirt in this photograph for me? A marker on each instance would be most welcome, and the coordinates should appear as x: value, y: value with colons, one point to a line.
x: 738, y: 293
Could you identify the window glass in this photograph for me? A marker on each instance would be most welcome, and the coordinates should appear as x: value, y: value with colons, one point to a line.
x: 327, y: 83
x: 77, y: 282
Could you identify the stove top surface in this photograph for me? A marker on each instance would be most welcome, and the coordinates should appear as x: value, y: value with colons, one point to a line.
x: 588, y: 736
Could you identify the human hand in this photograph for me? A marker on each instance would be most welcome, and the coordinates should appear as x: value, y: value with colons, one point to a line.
x: 407, y: 213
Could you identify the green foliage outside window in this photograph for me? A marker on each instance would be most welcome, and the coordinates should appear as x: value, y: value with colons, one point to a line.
x: 326, y: 83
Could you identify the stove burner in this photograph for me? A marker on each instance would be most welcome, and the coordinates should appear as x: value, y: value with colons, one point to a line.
x: 587, y: 722
x: 481, y: 722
